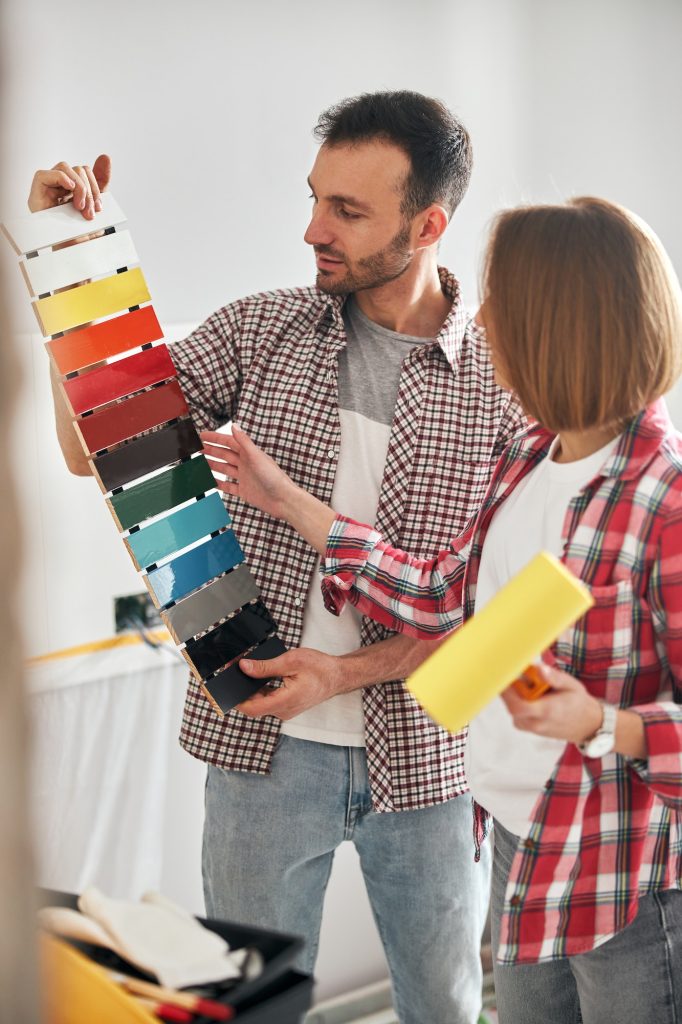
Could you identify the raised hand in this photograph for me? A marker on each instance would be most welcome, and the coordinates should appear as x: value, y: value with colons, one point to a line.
x: 249, y: 473
x: 81, y: 183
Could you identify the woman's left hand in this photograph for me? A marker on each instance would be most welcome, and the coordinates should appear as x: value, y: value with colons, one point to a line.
x: 567, y: 712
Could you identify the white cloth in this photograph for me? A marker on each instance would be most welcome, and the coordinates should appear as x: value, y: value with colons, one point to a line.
x: 506, y: 767
x: 108, y: 778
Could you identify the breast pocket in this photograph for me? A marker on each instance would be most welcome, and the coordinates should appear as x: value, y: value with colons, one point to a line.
x: 600, y: 644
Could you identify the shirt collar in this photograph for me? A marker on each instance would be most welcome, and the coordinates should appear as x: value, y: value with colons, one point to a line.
x: 639, y: 443
x: 451, y: 334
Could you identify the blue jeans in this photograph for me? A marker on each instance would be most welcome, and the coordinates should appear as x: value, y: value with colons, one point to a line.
x: 268, y: 849
x: 634, y: 978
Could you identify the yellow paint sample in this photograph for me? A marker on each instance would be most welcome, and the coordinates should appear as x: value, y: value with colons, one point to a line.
x: 92, y: 301
x: 494, y: 647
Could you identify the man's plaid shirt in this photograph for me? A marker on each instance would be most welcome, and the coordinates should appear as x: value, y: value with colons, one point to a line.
x: 270, y: 362
x: 604, y: 831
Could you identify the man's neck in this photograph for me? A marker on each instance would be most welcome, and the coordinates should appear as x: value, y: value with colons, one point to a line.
x: 413, y: 304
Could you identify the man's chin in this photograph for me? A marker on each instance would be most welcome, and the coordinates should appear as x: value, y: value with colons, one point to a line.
x: 326, y: 283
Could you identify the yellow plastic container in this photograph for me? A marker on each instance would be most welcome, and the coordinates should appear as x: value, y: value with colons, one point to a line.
x: 77, y: 991
x: 494, y: 647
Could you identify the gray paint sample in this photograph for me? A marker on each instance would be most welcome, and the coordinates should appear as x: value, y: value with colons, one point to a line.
x: 201, y: 610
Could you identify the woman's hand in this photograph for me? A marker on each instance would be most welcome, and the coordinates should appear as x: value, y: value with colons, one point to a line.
x: 567, y: 712
x: 249, y: 473
x: 252, y: 475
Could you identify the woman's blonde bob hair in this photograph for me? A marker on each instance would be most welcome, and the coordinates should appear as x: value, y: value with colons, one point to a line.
x: 583, y: 311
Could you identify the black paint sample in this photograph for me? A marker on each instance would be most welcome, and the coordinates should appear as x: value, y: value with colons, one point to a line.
x: 231, y: 638
x: 232, y: 686
x: 147, y: 453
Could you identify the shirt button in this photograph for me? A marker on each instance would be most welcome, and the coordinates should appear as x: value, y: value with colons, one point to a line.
x: 529, y: 844
x: 515, y: 901
x: 297, y: 602
x: 331, y: 453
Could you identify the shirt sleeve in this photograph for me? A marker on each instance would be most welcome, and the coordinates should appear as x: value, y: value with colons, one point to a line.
x: 209, y: 368
x: 662, y: 770
x: 418, y: 596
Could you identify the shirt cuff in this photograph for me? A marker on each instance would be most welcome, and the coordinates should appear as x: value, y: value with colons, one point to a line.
x: 349, y: 546
x: 662, y: 769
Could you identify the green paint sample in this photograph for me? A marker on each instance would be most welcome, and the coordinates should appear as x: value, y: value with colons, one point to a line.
x: 165, y: 491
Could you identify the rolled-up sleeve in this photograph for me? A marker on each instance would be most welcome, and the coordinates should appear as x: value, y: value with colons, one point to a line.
x: 418, y: 596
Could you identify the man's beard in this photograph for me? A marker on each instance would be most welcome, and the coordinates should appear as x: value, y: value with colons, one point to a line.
x: 372, y: 271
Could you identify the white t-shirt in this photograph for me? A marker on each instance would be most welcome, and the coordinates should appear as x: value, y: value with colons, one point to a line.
x: 369, y: 376
x: 506, y: 767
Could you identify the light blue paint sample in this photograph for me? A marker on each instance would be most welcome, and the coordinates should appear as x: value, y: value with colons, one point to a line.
x: 185, y: 573
x: 177, y: 531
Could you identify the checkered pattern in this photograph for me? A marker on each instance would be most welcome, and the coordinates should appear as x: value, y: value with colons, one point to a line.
x: 604, y: 830
x: 270, y: 362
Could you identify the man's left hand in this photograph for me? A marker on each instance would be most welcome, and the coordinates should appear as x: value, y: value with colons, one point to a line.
x: 568, y: 712
x: 308, y: 678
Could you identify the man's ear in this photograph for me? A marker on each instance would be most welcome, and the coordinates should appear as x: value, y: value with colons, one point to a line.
x: 431, y: 224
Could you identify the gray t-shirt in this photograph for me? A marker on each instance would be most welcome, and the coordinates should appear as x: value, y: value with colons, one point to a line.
x: 369, y: 376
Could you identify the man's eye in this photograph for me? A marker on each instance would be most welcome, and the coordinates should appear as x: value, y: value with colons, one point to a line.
x: 348, y: 216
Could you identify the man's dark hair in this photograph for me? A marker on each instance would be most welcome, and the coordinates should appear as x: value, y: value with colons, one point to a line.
x: 437, y: 144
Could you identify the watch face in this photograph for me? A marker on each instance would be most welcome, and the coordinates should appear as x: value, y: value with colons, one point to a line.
x: 600, y: 745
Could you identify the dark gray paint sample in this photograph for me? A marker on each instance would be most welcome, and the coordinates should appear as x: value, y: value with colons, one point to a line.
x: 216, y: 601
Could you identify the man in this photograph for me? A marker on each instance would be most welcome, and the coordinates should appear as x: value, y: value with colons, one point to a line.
x: 362, y: 388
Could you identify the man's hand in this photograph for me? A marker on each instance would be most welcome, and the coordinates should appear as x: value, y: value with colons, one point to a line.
x: 308, y: 678
x: 81, y: 183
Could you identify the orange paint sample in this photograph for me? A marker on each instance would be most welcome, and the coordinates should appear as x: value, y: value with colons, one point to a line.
x: 101, y: 341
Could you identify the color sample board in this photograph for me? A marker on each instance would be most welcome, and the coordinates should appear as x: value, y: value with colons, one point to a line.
x: 119, y: 383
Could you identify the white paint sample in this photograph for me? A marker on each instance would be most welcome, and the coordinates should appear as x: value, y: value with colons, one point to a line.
x: 94, y: 258
x: 60, y: 224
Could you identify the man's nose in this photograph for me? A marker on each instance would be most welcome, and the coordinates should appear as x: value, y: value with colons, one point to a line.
x: 318, y: 231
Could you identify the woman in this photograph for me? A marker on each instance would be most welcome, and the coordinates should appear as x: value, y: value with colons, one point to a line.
x: 584, y: 321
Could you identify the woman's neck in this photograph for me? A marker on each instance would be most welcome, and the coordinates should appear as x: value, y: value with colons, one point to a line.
x: 579, y: 444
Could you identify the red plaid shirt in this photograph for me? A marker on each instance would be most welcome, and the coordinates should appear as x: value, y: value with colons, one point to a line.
x: 604, y: 831
x: 270, y: 361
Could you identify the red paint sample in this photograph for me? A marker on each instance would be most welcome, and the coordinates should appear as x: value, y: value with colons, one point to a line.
x: 109, y: 383
x: 101, y: 341
x: 133, y: 416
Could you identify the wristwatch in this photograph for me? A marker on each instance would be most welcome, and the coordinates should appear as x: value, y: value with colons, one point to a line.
x: 603, y: 740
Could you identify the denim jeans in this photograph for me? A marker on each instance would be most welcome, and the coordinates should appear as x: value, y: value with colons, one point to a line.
x: 634, y: 978
x: 269, y: 842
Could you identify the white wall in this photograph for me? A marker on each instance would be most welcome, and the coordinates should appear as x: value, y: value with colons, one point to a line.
x: 207, y: 109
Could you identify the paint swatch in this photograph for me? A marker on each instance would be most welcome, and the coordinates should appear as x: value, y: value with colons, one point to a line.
x: 116, y: 380
x: 151, y: 497
x: 133, y: 421
x: 92, y: 301
x: 230, y: 639
x: 211, y: 604
x: 145, y: 454
x: 97, y: 342
x: 190, y: 571
x: 231, y: 686
x: 115, y: 423
x: 178, y: 530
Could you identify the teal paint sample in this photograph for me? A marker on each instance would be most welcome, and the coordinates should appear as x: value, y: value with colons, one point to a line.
x: 178, y: 530
x: 188, y: 572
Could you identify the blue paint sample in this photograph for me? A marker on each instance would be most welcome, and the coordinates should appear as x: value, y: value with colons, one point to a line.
x: 178, y: 530
x: 180, y: 576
